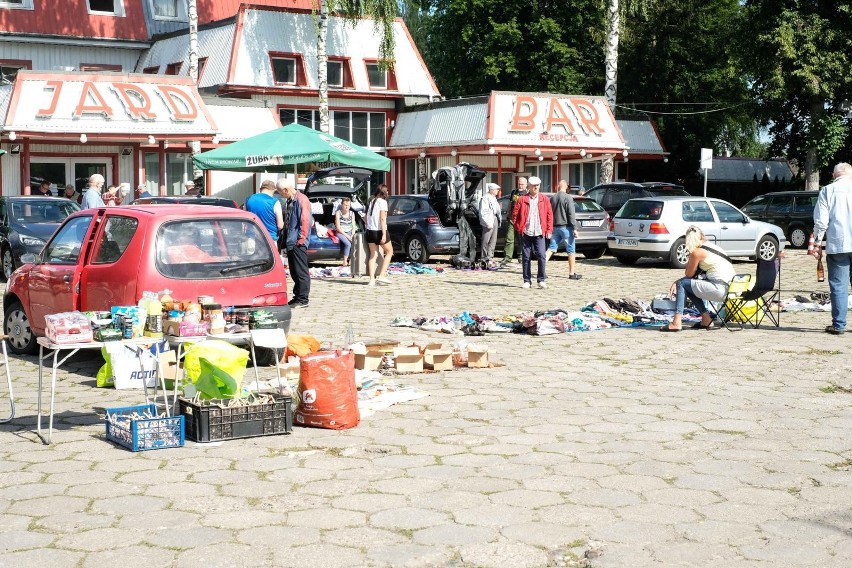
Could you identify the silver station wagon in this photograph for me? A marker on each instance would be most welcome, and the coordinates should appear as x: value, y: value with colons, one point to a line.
x: 655, y: 227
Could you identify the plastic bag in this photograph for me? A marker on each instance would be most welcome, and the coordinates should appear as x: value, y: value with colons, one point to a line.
x: 301, y: 345
x: 746, y: 310
x: 327, y: 394
x: 105, y: 372
x: 214, y: 382
x: 227, y: 357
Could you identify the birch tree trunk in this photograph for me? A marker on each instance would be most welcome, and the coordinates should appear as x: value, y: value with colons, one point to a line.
x: 192, y: 12
x: 811, y: 170
x: 611, y: 70
x: 322, y: 66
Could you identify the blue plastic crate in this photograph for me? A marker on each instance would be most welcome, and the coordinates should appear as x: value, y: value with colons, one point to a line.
x: 145, y: 433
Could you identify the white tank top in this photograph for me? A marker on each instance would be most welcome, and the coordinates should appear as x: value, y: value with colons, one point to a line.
x: 716, y: 266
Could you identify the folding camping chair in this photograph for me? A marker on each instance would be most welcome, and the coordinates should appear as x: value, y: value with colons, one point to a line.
x: 750, y: 304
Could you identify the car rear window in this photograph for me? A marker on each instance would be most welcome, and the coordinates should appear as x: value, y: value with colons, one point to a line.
x: 641, y: 209
x: 586, y: 206
x: 206, y: 249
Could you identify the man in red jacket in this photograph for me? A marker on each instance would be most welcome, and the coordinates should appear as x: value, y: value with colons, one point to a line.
x: 533, y: 219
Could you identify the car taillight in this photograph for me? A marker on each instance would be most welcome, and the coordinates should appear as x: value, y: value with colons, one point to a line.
x: 611, y: 222
x: 269, y: 300
x: 432, y: 220
x: 658, y: 229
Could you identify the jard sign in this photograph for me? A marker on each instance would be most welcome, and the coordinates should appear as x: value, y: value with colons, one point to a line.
x: 553, y: 120
x: 83, y: 102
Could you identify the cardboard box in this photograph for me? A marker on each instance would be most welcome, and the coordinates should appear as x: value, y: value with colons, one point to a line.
x: 68, y: 327
x: 477, y: 357
x: 408, y: 359
x: 184, y: 329
x: 437, y: 358
x: 369, y: 360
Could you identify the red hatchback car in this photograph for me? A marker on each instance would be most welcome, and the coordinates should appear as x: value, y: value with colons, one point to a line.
x: 106, y: 257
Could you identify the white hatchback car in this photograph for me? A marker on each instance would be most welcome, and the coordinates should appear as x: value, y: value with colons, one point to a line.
x: 656, y: 227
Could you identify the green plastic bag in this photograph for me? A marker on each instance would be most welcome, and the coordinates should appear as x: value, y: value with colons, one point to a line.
x: 105, y: 378
x: 214, y: 382
x: 230, y: 359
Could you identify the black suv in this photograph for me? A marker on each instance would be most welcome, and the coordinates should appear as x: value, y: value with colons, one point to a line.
x: 793, y: 211
x: 611, y: 196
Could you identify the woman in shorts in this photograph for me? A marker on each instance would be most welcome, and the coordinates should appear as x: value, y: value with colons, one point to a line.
x: 377, y: 236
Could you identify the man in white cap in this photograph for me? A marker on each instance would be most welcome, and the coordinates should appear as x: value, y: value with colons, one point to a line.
x: 489, y: 218
x: 533, y: 218
x: 189, y: 188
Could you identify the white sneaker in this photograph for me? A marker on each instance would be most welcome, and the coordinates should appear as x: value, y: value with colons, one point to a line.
x: 526, y: 285
x: 383, y: 280
x: 542, y: 285
x: 371, y: 282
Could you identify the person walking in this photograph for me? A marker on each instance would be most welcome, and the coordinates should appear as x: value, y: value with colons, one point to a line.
x: 489, y: 218
x: 564, y: 226
x: 512, y: 234
x: 378, y: 237
x: 533, y: 219
x: 833, y: 219
x: 298, y: 229
x: 267, y: 208
x: 92, y: 195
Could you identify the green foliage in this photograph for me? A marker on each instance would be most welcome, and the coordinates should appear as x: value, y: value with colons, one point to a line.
x: 382, y: 12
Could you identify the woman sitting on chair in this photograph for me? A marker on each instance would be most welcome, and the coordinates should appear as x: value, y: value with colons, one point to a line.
x: 718, y: 272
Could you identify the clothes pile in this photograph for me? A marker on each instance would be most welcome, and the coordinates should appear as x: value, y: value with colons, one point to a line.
x: 817, y: 302
x: 413, y: 268
x: 330, y: 272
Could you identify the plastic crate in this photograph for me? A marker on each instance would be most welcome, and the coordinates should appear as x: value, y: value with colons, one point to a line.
x: 216, y: 421
x: 145, y: 433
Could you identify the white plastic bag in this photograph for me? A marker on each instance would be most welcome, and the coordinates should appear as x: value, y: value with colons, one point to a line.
x: 129, y: 369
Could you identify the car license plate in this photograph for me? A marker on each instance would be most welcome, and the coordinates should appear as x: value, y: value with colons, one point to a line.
x: 627, y: 242
x: 590, y: 223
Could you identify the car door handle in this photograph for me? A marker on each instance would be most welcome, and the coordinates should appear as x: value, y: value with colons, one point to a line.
x: 66, y: 278
x: 724, y: 228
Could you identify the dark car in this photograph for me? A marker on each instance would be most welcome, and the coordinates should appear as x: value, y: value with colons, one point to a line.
x: 793, y: 211
x: 186, y: 200
x: 26, y: 223
x: 611, y: 196
x: 416, y: 229
x: 591, y: 233
x: 325, y: 189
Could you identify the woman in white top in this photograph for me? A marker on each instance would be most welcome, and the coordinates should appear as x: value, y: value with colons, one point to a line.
x: 714, y: 286
x: 377, y: 236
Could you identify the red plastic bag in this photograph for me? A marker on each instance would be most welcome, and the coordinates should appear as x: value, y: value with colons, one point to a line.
x: 327, y: 394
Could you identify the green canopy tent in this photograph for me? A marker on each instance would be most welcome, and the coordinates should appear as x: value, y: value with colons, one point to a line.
x: 287, y: 146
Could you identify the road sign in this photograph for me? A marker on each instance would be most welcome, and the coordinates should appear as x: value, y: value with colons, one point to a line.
x: 707, y: 158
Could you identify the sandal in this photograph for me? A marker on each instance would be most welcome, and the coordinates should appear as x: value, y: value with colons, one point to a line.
x: 700, y: 326
x: 667, y: 329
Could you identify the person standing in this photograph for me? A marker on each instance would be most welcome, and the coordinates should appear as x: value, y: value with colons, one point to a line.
x: 378, y: 237
x: 489, y: 218
x: 70, y: 193
x: 533, y: 219
x: 298, y: 229
x: 267, y: 208
x: 512, y: 234
x: 190, y: 189
x: 833, y: 219
x: 110, y: 196
x: 564, y: 226
x: 125, y: 196
x: 44, y: 189
x: 92, y: 195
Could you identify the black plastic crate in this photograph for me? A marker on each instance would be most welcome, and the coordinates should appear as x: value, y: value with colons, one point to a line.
x: 215, y: 420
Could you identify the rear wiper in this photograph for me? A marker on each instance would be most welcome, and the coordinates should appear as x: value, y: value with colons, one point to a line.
x: 243, y: 266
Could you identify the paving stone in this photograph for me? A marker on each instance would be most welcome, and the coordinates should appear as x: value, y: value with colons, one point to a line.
x: 501, y: 554
x: 43, y: 506
x: 410, y: 556
x: 527, y: 498
x: 30, y: 490
x: 225, y: 556
x: 542, y: 534
x: 326, y: 518
x: 318, y: 555
x: 454, y: 535
x: 99, y: 539
x: 369, y: 502
x: 783, y: 552
x: 264, y: 536
x: 11, y: 541
x: 407, y: 518
x: 494, y: 515
x: 130, y: 504
x: 119, y: 556
x: 155, y: 520
x: 40, y: 557
x: 604, y: 497
x: 187, y: 537
x: 635, y: 532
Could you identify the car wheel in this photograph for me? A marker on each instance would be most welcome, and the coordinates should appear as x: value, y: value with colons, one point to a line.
x: 267, y: 357
x: 16, y: 326
x: 416, y: 250
x: 679, y: 255
x: 767, y: 248
x: 594, y: 253
x: 8, y: 264
x: 626, y: 260
x: 798, y: 237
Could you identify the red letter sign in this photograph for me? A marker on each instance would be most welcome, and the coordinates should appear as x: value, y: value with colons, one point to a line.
x: 587, y: 116
x: 100, y: 106
x: 126, y: 92
x: 175, y: 98
x: 57, y: 88
x: 520, y: 121
x: 556, y: 115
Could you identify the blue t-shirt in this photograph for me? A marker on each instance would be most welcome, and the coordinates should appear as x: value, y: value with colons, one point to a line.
x: 263, y: 206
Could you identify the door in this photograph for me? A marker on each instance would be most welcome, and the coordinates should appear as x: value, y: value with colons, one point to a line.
x: 698, y: 212
x: 55, y: 277
x: 401, y: 220
x: 779, y: 210
x: 60, y: 171
x: 83, y: 170
x: 737, y: 236
x: 53, y: 171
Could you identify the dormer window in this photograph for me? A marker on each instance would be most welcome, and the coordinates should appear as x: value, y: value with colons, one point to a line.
x: 174, y: 68
x: 166, y: 9
x: 22, y: 4
x: 106, y: 7
x: 288, y: 69
x: 9, y: 69
x: 335, y: 73
x: 377, y: 76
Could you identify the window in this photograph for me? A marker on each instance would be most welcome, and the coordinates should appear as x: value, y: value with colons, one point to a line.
x: 118, y: 232
x: 166, y: 9
x: 65, y: 246
x: 806, y: 204
x: 405, y: 206
x: 22, y: 4
x: 362, y: 128
x: 202, y: 63
x: 284, y: 70
x: 756, y: 205
x: 696, y: 212
x: 780, y: 205
x: 114, y: 7
x: 377, y: 76
x: 174, y: 68
x: 9, y: 69
x: 728, y: 213
x: 99, y: 67
x: 153, y: 70
x: 335, y: 73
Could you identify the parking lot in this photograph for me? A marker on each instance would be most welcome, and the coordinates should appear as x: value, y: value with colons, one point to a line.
x: 623, y: 447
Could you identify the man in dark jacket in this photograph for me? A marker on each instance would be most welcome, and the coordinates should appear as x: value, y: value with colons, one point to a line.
x: 511, y: 233
x: 298, y: 229
x: 564, y: 226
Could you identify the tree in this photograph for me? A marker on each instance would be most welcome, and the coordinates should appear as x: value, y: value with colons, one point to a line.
x: 611, y: 73
x: 798, y: 60
x: 192, y: 12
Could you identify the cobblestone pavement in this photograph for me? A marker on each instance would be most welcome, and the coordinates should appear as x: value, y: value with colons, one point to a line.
x: 624, y: 447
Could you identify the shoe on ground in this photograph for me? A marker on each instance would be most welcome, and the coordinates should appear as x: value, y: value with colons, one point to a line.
x: 542, y: 285
x: 371, y: 282
x: 526, y: 285
x: 833, y: 330
x: 574, y: 276
x: 303, y: 304
x: 383, y: 280
x: 292, y: 302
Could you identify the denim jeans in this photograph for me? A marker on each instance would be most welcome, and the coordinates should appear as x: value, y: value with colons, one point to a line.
x: 684, y: 291
x: 527, y: 244
x: 838, y: 283
x: 563, y: 233
x: 345, y: 244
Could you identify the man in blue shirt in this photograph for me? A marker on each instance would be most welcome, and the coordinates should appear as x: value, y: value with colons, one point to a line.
x: 267, y: 208
x: 833, y: 218
x: 92, y: 195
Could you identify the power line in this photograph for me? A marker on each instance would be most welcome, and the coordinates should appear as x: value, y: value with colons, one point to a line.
x: 682, y: 113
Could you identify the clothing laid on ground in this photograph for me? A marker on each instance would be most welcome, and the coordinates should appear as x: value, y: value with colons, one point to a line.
x: 263, y: 205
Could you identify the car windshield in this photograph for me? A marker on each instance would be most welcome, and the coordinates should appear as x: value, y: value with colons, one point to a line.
x: 206, y: 249
x: 641, y: 209
x: 586, y: 206
x: 42, y: 210
x: 756, y: 205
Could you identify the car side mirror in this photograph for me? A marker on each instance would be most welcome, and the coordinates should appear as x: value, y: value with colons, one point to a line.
x: 29, y: 258
x: 746, y: 220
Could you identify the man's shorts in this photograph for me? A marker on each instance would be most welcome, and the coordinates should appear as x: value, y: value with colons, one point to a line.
x: 562, y: 233
x: 375, y: 237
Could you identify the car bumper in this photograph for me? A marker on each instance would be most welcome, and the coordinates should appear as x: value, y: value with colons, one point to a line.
x: 645, y: 246
x: 443, y: 240
x: 282, y: 314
